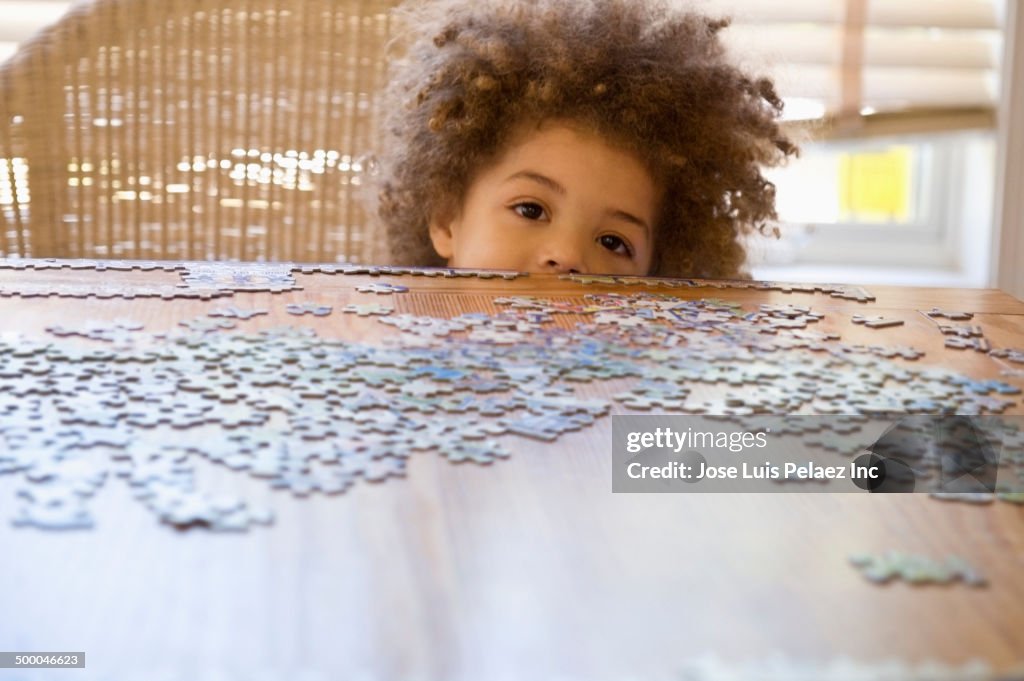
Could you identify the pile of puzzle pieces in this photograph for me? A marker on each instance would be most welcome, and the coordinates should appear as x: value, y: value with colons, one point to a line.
x: 315, y: 415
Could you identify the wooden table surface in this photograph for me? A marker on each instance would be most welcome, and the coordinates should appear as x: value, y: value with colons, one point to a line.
x: 530, y: 568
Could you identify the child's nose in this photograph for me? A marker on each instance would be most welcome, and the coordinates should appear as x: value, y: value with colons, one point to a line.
x: 563, y: 256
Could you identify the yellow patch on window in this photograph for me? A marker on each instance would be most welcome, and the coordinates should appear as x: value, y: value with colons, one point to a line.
x: 875, y: 186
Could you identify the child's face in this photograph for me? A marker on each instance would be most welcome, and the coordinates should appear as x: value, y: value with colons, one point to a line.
x: 558, y: 199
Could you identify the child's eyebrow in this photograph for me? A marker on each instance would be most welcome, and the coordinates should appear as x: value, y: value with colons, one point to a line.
x: 559, y: 189
x: 629, y: 217
x: 538, y: 178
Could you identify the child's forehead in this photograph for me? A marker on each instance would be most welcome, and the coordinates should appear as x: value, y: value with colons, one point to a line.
x: 548, y: 137
x: 561, y: 129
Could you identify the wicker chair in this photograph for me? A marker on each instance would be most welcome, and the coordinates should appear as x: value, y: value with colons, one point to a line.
x: 193, y: 129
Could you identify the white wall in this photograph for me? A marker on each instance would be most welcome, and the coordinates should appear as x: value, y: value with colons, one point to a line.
x: 1009, y: 242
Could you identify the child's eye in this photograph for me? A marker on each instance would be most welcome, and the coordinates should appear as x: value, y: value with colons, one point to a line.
x: 530, y: 210
x: 615, y: 244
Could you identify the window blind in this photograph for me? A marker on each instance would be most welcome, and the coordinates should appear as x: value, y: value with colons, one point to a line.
x: 926, y: 64
x: 901, y: 62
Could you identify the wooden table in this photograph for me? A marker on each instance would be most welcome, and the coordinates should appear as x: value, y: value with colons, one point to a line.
x: 530, y: 568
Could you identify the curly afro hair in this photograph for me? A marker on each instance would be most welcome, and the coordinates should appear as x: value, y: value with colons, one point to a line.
x: 649, y: 78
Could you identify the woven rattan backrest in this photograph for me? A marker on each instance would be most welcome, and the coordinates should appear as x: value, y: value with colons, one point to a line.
x: 193, y: 129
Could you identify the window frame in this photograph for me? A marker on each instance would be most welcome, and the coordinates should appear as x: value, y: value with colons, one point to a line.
x: 933, y: 240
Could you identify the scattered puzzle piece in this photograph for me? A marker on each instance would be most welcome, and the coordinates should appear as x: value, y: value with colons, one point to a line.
x: 1012, y: 354
x: 382, y: 288
x: 367, y: 309
x: 962, y: 330
x: 233, y: 312
x: 205, y: 325
x: 314, y: 309
x: 952, y: 316
x: 875, y: 322
x: 961, y: 343
x: 780, y: 668
x: 916, y: 569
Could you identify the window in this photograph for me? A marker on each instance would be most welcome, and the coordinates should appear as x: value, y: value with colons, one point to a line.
x: 894, y: 106
x: 880, y: 208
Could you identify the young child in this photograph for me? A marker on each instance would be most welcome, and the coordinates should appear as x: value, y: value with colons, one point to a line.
x: 586, y: 136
